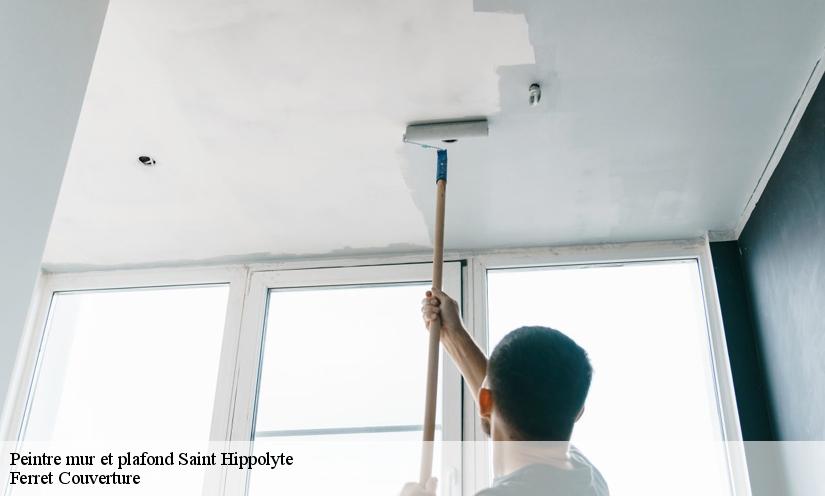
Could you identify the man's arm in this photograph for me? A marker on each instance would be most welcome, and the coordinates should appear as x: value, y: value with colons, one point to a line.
x: 466, y: 354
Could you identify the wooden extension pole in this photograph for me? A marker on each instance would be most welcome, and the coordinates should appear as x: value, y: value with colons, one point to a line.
x: 435, y: 326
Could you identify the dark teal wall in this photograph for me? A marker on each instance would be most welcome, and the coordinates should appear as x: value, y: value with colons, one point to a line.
x: 771, y: 285
x: 752, y: 399
x: 783, y: 259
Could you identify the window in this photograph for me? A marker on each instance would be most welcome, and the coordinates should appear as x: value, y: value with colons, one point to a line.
x: 653, y: 389
x: 328, y: 364
x: 111, y: 365
x: 343, y: 366
x: 357, y: 345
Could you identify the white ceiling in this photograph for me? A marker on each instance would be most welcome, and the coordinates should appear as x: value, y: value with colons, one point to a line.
x: 277, y: 125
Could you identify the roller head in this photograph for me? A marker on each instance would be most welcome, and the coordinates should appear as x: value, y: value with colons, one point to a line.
x: 439, y: 133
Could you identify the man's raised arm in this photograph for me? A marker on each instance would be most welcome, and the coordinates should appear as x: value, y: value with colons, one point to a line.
x: 464, y: 351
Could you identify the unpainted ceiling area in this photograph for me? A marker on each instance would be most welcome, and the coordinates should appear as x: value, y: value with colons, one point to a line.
x: 277, y: 126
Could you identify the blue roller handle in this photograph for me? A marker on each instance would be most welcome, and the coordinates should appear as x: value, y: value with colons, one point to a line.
x: 441, y: 168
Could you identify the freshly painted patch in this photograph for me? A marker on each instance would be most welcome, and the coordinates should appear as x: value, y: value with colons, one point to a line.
x: 277, y: 126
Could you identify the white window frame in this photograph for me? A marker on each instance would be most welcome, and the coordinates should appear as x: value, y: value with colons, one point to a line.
x: 697, y: 250
x: 237, y: 383
x: 254, y: 321
x: 51, y: 284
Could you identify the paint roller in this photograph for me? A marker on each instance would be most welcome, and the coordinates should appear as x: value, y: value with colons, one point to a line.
x: 436, y: 136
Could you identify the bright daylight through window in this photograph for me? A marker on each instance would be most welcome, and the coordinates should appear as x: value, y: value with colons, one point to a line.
x: 652, y: 408
x: 129, y: 364
x: 344, y: 365
x: 337, y: 356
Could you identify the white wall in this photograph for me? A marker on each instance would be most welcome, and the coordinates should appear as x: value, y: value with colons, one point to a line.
x: 46, y: 53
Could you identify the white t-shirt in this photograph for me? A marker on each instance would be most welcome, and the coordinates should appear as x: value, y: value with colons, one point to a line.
x: 547, y: 480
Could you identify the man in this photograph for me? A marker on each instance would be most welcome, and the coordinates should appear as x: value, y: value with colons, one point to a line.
x: 529, y: 394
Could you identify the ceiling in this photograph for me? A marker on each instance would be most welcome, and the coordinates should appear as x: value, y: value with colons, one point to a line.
x: 277, y: 126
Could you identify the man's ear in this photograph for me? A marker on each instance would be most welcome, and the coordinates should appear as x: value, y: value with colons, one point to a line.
x: 581, y: 412
x: 485, y: 402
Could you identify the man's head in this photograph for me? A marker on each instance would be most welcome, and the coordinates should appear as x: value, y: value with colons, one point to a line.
x: 537, y: 381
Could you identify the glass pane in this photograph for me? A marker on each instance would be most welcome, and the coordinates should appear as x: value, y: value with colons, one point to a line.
x: 643, y: 326
x: 129, y: 364
x: 364, y: 464
x: 351, y: 361
x: 343, y: 357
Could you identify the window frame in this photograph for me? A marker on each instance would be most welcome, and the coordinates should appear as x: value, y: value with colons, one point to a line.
x: 36, y: 336
x: 251, y: 349
x: 235, y: 391
x: 621, y: 253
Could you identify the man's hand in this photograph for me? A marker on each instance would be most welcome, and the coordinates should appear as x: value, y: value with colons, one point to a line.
x: 466, y: 354
x: 437, y: 305
x: 416, y: 489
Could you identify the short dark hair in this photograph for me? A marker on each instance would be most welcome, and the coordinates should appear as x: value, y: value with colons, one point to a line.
x: 539, y: 378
